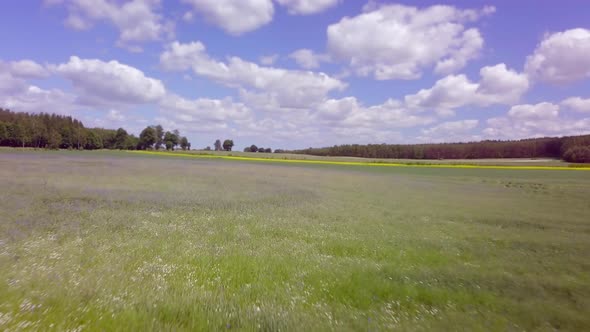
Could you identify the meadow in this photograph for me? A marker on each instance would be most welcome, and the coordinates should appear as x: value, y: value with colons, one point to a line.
x: 137, y: 242
x: 545, y: 162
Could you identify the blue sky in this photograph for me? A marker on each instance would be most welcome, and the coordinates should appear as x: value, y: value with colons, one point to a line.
x: 299, y: 73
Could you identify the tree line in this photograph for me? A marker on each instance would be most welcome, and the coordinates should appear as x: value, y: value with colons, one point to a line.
x: 254, y: 148
x: 54, y: 131
x: 569, y: 148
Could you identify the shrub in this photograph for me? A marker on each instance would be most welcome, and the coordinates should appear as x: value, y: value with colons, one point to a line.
x: 577, y: 154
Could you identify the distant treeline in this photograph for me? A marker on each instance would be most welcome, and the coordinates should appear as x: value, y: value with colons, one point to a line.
x: 572, y: 148
x: 53, y: 131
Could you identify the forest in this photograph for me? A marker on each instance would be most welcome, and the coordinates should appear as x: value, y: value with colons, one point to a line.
x: 54, y: 131
x: 571, y: 148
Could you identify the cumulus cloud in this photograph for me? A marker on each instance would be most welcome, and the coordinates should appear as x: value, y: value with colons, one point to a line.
x: 107, y: 83
x: 204, y: 110
x: 308, y: 59
x: 577, y: 104
x: 541, y: 111
x: 561, y: 57
x: 239, y: 17
x: 27, y: 69
x: 307, y: 7
x: 349, y: 113
x: 17, y: 94
x: 268, y: 60
x: 534, y: 120
x: 14, y: 75
x: 450, y: 131
x: 291, y: 88
x: 498, y: 85
x: 235, y: 17
x: 136, y: 20
x: 451, y: 127
x: 393, y: 41
x: 34, y: 99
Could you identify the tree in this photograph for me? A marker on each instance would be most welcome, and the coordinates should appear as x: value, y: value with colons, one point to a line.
x: 159, y: 136
x: 93, y: 141
x: 18, y: 135
x: 147, y: 138
x: 171, y: 140
x: 228, y: 144
x: 131, y: 142
x: 79, y: 134
x: 121, y: 139
x: 577, y: 154
x: 169, y: 145
x: 253, y: 148
x: 217, y: 145
x: 3, y: 133
x: 55, y: 139
x: 184, y: 144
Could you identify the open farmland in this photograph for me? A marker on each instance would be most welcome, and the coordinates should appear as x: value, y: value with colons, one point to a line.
x: 120, y: 241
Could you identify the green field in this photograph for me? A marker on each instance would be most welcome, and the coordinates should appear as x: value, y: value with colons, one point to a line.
x: 123, y: 241
x: 292, y: 156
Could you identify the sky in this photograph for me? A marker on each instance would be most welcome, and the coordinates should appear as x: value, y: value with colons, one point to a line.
x: 294, y: 74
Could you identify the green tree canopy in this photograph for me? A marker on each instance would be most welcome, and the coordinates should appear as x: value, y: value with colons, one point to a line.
x: 184, y: 144
x: 147, y: 138
x: 121, y: 139
x: 159, y: 136
x: 228, y: 144
x: 171, y: 140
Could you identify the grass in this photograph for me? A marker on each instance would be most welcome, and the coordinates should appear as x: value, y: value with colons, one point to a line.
x: 289, y: 156
x: 521, y: 164
x: 120, y: 241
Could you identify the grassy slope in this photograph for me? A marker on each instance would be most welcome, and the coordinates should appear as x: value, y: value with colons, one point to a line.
x: 117, y: 241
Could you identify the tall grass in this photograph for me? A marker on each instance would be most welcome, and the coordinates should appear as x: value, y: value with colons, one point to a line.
x: 128, y: 242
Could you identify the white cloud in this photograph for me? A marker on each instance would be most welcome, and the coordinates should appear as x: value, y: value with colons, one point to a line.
x: 307, y: 7
x: 498, y: 85
x: 451, y: 127
x: 268, y: 60
x: 136, y: 20
x: 13, y: 74
x: 188, y: 17
x: 235, y: 17
x: 350, y: 113
x: 400, y: 42
x: 539, y: 120
x: 35, y: 100
x: 26, y: 69
x: 577, y: 104
x: 451, y: 131
x: 290, y: 88
x: 108, y: 83
x: 10, y: 84
x: 561, y: 57
x: 541, y: 111
x: 308, y: 59
x: 202, y: 110
x: 115, y: 116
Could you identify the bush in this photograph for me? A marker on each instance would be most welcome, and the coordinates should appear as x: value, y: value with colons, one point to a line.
x: 577, y: 154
